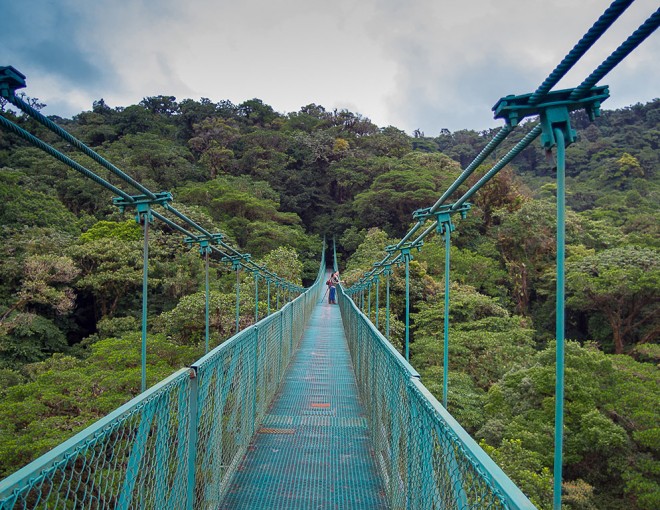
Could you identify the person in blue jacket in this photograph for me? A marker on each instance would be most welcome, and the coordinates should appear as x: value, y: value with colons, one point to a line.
x: 332, y: 284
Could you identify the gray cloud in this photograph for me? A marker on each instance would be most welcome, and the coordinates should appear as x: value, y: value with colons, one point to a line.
x: 426, y: 64
x: 41, y: 36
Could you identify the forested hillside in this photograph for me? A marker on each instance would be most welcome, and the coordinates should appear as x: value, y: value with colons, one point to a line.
x: 275, y: 184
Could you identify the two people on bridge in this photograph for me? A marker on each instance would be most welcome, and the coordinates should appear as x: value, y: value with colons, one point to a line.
x: 332, y: 287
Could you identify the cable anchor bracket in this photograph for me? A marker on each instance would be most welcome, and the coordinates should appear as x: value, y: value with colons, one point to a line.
x: 554, y: 109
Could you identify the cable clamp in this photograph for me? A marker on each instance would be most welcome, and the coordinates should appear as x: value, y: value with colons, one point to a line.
x: 10, y: 80
x: 204, y: 242
x: 236, y: 261
x: 142, y: 204
x: 554, y: 110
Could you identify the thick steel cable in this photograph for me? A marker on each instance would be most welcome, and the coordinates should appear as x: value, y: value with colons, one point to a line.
x: 522, y: 144
x: 29, y: 137
x: 610, y: 15
x: 485, y: 152
x: 19, y: 103
x: 174, y: 225
x: 637, y: 37
x: 593, y: 34
x: 185, y: 218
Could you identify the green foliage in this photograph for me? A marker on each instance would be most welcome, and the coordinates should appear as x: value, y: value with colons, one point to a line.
x: 127, y: 230
x: 285, y: 263
x: 466, y: 267
x: 65, y: 395
x: 27, y: 338
x: 413, y: 182
x: 526, y: 469
x: 116, y: 327
x: 153, y: 160
x: 273, y: 184
x: 111, y: 271
x: 484, y: 341
x: 23, y: 207
x: 600, y: 444
x: 370, y: 250
x: 623, y: 285
x: 185, y: 323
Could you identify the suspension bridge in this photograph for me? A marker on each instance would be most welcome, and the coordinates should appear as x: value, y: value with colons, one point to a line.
x: 311, y: 406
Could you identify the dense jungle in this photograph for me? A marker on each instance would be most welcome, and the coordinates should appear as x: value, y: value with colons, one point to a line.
x: 275, y: 184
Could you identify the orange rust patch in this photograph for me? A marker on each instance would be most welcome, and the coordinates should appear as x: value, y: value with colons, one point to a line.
x: 320, y: 405
x: 265, y: 430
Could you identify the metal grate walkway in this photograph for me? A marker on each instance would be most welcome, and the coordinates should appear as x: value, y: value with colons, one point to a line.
x: 312, y: 450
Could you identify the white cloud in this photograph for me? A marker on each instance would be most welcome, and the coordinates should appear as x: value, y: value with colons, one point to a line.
x: 424, y: 64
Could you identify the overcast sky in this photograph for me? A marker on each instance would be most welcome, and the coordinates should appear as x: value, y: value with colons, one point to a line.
x: 413, y: 64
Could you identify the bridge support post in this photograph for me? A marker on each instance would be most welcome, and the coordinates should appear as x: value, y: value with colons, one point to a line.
x: 145, y: 290
x: 554, y: 110
x: 236, y: 266
x: 291, y: 331
x: 207, y: 297
x: 142, y: 204
x: 407, y: 257
x: 238, y: 299
x: 205, y: 250
x: 445, y: 227
x: 280, y: 369
x: 559, y: 311
x: 255, y: 375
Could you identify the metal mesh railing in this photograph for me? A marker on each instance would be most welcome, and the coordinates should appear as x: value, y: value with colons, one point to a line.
x: 128, y: 459
x: 426, y: 458
x: 178, y: 444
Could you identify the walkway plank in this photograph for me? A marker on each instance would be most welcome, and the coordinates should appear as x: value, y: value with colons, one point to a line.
x: 312, y: 450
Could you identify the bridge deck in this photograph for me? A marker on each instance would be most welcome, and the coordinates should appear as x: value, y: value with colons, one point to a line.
x: 313, y: 450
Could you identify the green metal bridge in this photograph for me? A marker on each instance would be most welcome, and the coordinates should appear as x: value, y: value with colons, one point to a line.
x: 311, y: 406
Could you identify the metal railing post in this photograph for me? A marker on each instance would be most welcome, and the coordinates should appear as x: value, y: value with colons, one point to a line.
x: 192, y: 438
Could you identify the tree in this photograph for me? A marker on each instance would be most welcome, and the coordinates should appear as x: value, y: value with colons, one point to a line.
x: 153, y: 159
x: 610, y: 421
x: 619, y: 172
x: 185, y: 324
x: 22, y: 207
x: 527, y: 242
x: 63, y: 395
x: 212, y: 141
x: 111, y: 271
x: 412, y: 182
x: 25, y: 336
x: 45, y: 282
x: 255, y: 111
x: 161, y: 105
x: 623, y: 285
x: 485, y: 342
x: 502, y: 192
